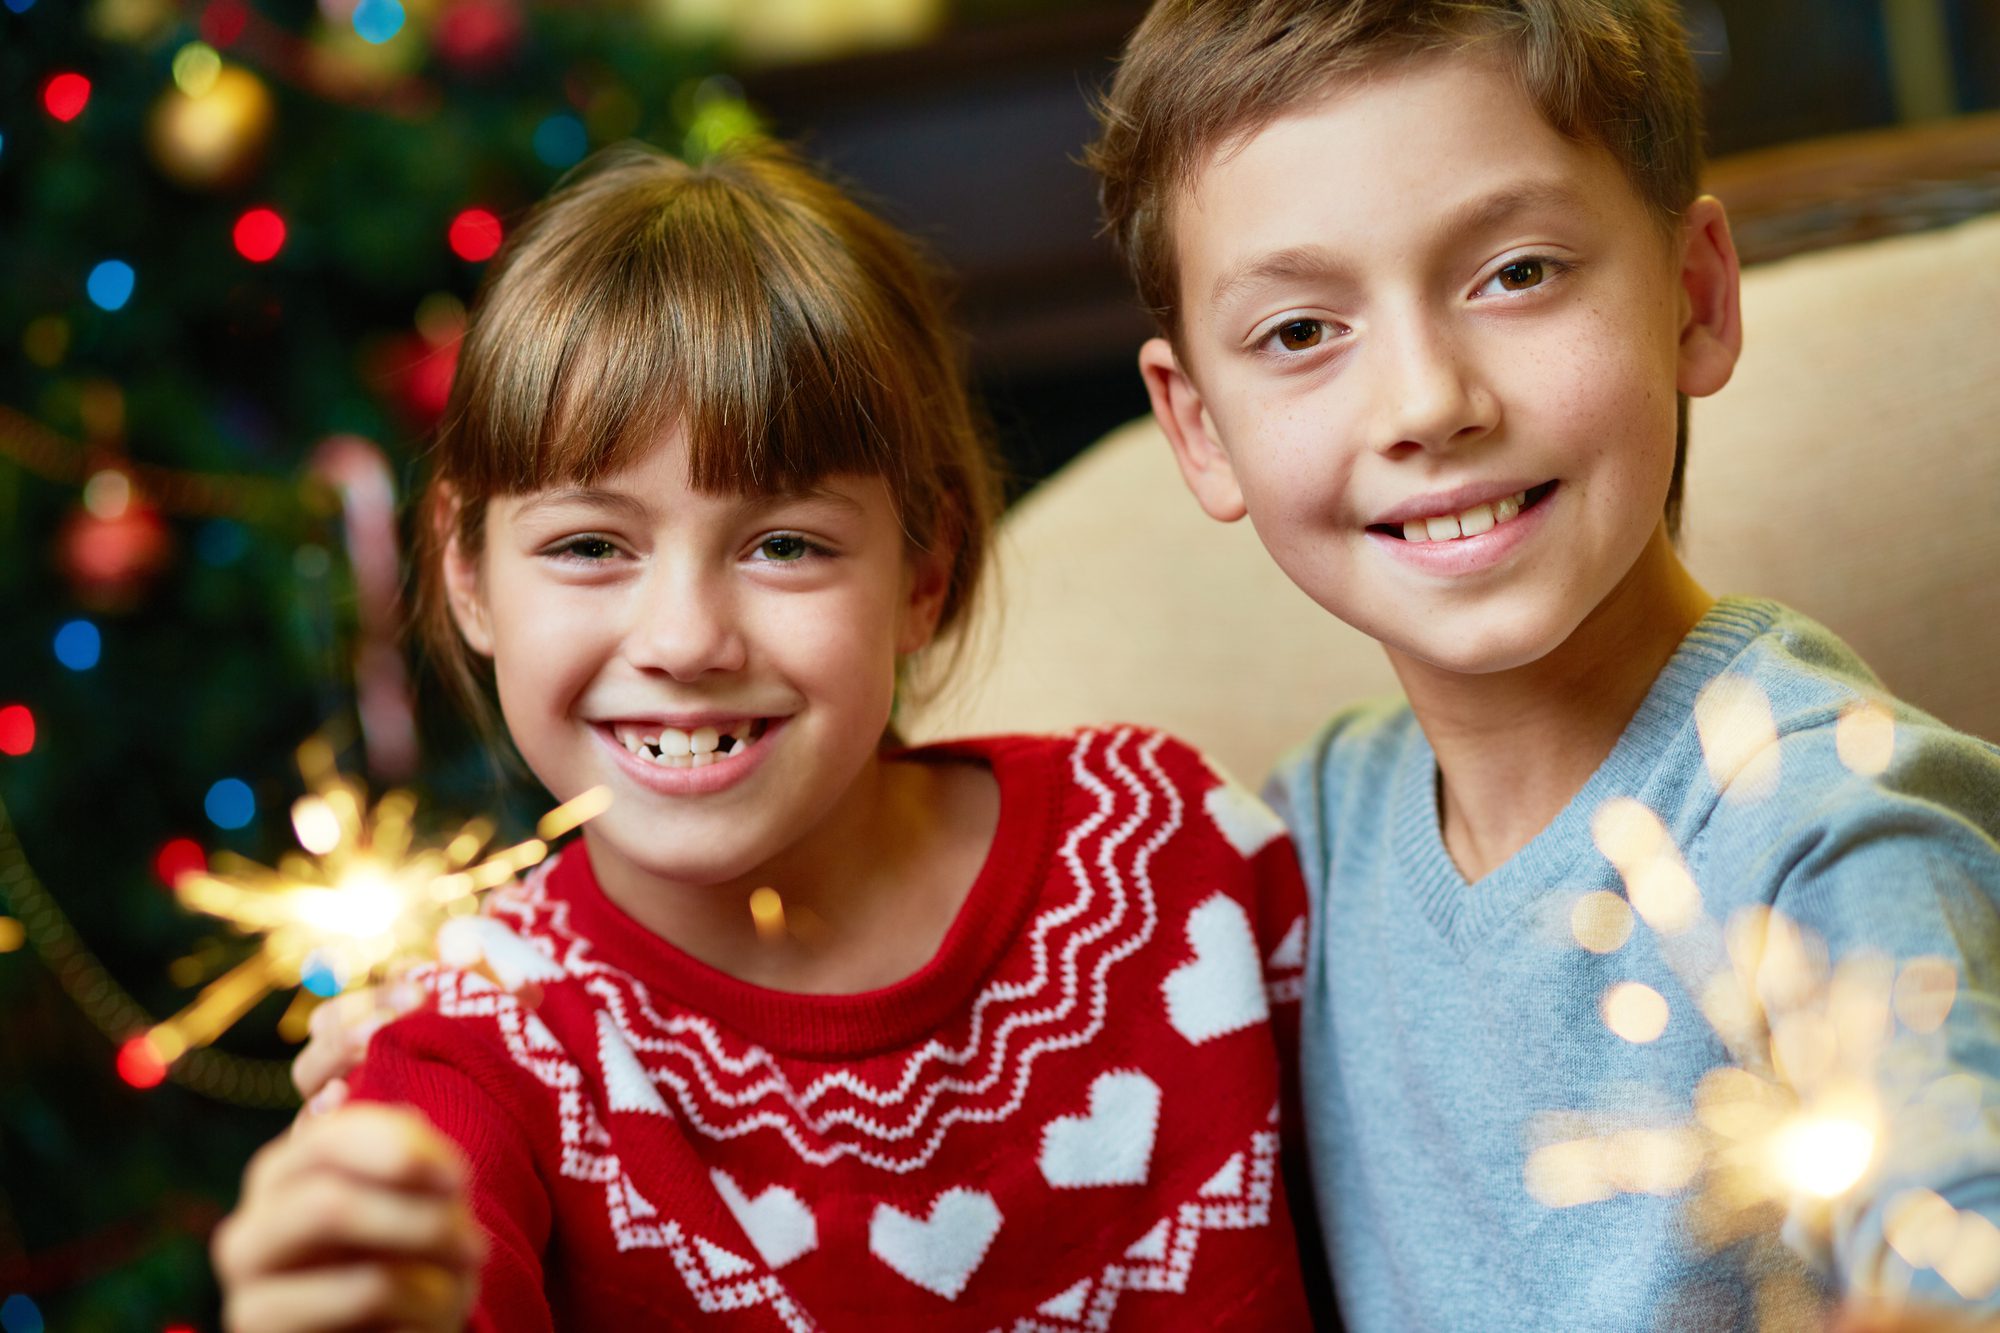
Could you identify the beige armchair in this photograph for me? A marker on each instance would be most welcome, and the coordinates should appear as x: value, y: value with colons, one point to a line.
x: 1852, y: 470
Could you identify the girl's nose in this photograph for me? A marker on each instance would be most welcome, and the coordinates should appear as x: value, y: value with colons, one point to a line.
x: 685, y: 625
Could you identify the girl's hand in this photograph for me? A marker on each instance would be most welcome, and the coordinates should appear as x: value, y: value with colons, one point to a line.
x: 356, y: 1219
x: 340, y: 1030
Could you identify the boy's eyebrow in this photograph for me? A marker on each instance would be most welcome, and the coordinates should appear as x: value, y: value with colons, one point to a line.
x: 1291, y: 263
x: 1476, y: 215
x: 1489, y: 211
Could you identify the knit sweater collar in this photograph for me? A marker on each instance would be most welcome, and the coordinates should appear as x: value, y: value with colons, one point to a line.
x: 851, y: 1026
x: 1463, y: 913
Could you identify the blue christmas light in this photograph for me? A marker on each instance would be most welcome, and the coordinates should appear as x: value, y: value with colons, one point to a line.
x: 378, y: 20
x: 221, y: 541
x: 318, y: 977
x: 19, y: 1314
x: 230, y: 804
x: 110, y: 284
x: 79, y: 645
x: 20, y: 7
x: 560, y: 140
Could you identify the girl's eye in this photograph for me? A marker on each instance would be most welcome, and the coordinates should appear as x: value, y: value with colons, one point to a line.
x: 588, y: 549
x: 784, y: 548
x: 1298, y: 335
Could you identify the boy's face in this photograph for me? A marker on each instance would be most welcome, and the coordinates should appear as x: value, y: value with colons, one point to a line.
x: 1431, y: 347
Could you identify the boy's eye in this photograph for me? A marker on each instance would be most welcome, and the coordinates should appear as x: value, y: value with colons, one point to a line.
x: 784, y: 547
x: 1521, y: 275
x: 1297, y: 335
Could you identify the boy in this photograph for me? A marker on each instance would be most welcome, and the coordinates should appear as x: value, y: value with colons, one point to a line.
x: 1434, y: 284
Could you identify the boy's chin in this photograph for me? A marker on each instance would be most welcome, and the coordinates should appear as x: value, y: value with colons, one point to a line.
x: 1486, y: 643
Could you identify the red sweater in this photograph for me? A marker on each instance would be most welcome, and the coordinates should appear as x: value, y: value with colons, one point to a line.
x: 1066, y: 1120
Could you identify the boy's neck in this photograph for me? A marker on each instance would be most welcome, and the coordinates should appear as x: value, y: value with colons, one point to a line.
x: 1514, y: 747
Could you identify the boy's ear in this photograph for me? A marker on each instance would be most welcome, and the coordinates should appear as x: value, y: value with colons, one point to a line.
x: 929, y: 582
x: 462, y: 589
x: 1204, y: 461
x: 1711, y: 299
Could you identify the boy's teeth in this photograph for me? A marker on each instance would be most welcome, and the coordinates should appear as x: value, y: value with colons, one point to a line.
x: 1481, y: 518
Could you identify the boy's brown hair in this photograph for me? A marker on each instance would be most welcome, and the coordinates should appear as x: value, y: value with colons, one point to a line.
x: 792, y: 334
x: 1200, y: 75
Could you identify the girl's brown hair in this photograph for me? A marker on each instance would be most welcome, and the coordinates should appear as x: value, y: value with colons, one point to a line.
x: 789, y: 332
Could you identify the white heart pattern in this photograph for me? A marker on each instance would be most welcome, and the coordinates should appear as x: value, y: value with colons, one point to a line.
x: 1248, y: 823
x: 1222, y: 989
x: 939, y: 1253
x: 778, y: 1222
x: 1113, y: 1145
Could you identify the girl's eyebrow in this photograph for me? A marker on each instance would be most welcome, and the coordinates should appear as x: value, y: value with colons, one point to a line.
x: 595, y: 497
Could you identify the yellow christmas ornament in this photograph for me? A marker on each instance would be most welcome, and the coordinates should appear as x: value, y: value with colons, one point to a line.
x: 215, y: 137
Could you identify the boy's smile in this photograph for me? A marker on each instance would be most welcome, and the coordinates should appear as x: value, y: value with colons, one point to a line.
x: 1431, y: 347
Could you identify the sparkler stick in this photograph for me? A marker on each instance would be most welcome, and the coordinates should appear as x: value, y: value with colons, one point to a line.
x: 358, y: 898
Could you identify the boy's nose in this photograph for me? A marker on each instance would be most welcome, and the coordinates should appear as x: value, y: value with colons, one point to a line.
x: 1430, y: 396
x: 685, y: 625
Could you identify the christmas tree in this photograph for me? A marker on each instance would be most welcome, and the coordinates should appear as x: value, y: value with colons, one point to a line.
x: 238, y: 244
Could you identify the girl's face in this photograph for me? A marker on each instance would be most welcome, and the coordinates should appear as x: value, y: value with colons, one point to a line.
x: 635, y: 620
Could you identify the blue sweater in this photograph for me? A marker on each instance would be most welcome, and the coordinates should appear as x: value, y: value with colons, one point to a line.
x: 1443, y: 1018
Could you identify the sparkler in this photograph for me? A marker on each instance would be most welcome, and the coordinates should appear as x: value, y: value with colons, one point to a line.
x: 1828, y: 1066
x: 358, y: 898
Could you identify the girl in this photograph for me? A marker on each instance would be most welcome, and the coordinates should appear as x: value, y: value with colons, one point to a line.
x: 808, y: 1030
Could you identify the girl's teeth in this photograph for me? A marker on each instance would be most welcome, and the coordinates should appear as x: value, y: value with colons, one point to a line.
x: 674, y: 742
x: 674, y: 748
x: 1472, y: 523
x: 702, y: 740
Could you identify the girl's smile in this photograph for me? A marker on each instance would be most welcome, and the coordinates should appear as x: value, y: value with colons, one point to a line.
x: 725, y: 662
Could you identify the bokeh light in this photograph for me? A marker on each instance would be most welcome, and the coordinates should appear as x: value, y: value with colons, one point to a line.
x: 1635, y: 1012
x: 378, y: 20
x: 1823, y: 1155
x: 1865, y: 738
x: 1601, y: 922
x: 140, y: 1065
x: 475, y: 235
x: 110, y: 284
x: 1925, y: 991
x: 177, y: 857
x: 79, y: 646
x: 46, y: 341
x: 197, y: 66
x: 230, y: 804
x: 19, y: 1314
x: 66, y: 95
x: 1739, y: 738
x: 19, y: 6
x: 108, y: 494
x: 259, y: 235
x: 561, y: 141
x: 221, y: 541
x: 12, y: 934
x: 17, y: 730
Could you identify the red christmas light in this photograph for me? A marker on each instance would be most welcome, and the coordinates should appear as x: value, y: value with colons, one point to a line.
x: 259, y: 235
x: 17, y: 729
x: 139, y: 1065
x: 223, y: 22
x: 180, y: 857
x: 475, y: 235
x: 66, y: 95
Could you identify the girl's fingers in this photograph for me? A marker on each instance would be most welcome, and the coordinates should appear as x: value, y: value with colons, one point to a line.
x: 389, y: 1146
x: 341, y: 1028
x: 352, y: 1296
x: 327, y: 1215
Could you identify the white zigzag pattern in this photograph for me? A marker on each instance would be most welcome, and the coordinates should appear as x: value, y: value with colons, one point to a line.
x: 1250, y: 1207
x: 620, y: 992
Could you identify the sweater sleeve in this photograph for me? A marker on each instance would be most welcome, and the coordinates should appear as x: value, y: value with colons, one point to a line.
x: 1906, y: 868
x: 429, y: 1062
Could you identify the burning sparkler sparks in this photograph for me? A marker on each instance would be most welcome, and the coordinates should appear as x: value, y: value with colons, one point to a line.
x: 1827, y: 1067
x: 358, y: 897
